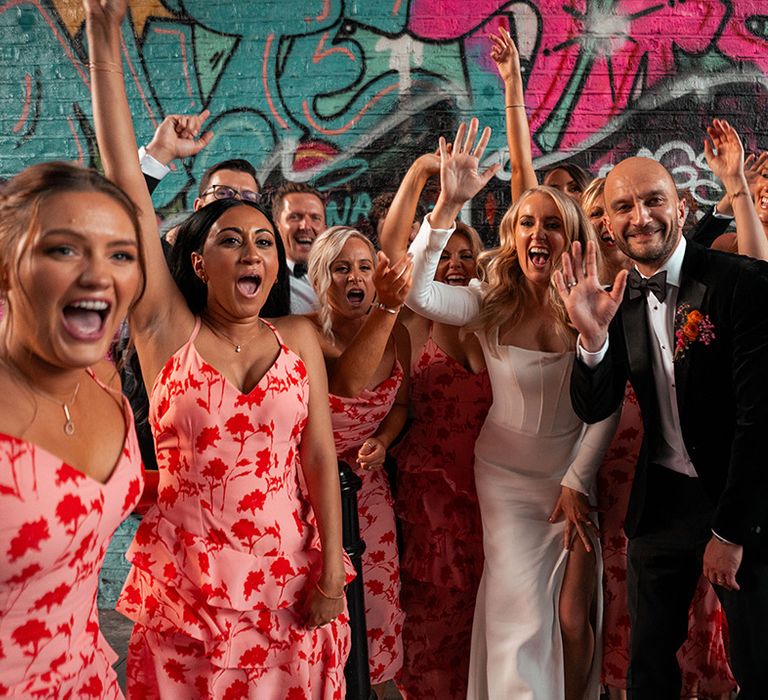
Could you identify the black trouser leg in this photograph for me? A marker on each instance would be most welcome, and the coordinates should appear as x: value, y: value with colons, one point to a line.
x: 747, y: 613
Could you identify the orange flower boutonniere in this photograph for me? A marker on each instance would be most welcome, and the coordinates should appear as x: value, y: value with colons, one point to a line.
x: 691, y: 327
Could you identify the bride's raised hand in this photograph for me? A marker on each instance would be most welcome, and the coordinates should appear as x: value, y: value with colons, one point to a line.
x: 589, y: 306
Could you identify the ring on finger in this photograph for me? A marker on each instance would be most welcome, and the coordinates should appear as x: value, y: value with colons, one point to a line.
x: 571, y: 284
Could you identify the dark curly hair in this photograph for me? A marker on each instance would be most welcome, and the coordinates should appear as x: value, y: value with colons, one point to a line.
x: 191, y: 238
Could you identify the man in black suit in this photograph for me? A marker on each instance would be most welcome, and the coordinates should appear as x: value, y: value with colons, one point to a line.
x: 690, y: 332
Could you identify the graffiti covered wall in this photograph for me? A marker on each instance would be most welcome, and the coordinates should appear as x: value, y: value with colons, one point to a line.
x: 345, y: 93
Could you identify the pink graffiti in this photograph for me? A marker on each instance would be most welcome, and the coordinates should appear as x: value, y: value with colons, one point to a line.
x: 440, y: 20
x: 594, y: 59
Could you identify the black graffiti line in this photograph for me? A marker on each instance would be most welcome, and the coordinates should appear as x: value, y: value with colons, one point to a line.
x: 35, y: 118
x: 680, y: 87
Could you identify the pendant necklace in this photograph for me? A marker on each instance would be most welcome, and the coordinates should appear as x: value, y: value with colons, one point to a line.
x: 69, y: 424
x: 237, y: 346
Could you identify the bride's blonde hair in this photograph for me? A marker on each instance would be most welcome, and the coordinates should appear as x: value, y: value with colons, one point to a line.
x: 505, y: 294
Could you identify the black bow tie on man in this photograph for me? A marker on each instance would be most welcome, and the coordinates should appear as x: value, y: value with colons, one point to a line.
x: 299, y: 269
x: 638, y: 284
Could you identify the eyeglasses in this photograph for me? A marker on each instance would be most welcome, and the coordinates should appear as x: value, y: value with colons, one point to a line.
x: 226, y: 192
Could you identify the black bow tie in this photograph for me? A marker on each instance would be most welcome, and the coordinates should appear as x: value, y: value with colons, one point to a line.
x: 656, y: 284
x: 299, y: 269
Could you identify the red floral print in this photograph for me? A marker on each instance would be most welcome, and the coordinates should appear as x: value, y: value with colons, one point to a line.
x: 222, y: 563
x: 354, y: 420
x: 442, y: 558
x: 58, y: 523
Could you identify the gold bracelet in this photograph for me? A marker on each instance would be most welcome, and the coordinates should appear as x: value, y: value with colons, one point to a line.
x: 105, y: 67
x: 513, y: 106
x: 740, y: 193
x: 330, y: 597
x: 389, y: 309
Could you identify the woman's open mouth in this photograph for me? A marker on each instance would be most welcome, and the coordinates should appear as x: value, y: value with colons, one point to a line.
x: 248, y: 285
x: 85, y: 319
x: 538, y: 256
x: 355, y: 296
x: 456, y: 280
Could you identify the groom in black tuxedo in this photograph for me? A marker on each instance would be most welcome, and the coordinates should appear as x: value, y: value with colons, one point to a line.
x: 689, y: 330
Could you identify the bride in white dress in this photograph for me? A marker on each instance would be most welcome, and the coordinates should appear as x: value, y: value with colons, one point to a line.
x: 537, y: 612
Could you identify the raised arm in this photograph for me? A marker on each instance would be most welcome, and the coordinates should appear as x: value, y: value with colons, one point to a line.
x: 725, y: 156
x: 178, y: 136
x: 161, y: 321
x: 507, y: 59
x: 397, y: 224
x: 459, y: 182
x: 351, y: 372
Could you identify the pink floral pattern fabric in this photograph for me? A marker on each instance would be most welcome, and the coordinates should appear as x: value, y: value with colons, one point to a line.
x: 442, y: 558
x: 703, y: 659
x: 55, y: 528
x: 222, y: 564
x: 354, y: 420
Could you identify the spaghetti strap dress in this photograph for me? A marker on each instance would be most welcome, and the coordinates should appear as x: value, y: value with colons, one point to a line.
x: 55, y: 528
x: 354, y: 420
x: 436, y: 503
x: 222, y: 564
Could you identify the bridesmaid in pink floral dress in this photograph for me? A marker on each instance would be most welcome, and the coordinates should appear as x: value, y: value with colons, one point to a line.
x: 442, y: 558
x: 237, y: 580
x: 364, y: 348
x: 70, y: 469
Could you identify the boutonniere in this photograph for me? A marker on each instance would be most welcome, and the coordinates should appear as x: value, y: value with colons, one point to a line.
x: 691, y: 326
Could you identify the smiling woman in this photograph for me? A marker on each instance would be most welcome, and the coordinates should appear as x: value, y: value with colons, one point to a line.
x: 534, y: 459
x: 238, y: 573
x: 72, y: 266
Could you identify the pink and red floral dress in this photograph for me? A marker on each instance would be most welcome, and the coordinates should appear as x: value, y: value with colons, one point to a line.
x: 442, y: 558
x: 355, y: 420
x: 702, y: 658
x: 55, y: 527
x: 224, y: 561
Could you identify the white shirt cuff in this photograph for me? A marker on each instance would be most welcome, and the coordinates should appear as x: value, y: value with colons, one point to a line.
x: 722, y: 539
x: 718, y: 215
x: 591, y: 359
x: 151, y: 166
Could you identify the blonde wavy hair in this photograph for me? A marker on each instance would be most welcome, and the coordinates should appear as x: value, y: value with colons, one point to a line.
x: 505, y: 294
x: 326, y: 248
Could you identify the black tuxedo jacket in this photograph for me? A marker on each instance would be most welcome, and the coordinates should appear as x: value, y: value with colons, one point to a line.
x: 721, y: 390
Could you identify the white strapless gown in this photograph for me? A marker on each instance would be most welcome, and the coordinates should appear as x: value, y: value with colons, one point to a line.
x: 532, y: 442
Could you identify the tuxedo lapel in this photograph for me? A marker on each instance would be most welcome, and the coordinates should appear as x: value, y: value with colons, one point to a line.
x: 635, y: 323
x: 692, y: 293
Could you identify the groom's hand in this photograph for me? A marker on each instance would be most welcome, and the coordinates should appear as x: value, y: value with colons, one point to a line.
x: 589, y: 306
x: 721, y: 562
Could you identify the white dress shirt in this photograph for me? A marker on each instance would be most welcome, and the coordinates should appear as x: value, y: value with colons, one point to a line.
x: 671, y: 452
x: 303, y: 297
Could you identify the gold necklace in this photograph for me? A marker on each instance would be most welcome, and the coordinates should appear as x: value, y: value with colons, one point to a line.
x: 237, y: 346
x: 69, y: 424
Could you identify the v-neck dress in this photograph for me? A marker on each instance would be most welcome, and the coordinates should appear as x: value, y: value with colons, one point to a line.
x: 54, y: 531
x: 355, y: 419
x: 224, y: 561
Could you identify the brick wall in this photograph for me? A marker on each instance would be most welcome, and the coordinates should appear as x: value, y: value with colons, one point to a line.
x: 346, y: 93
